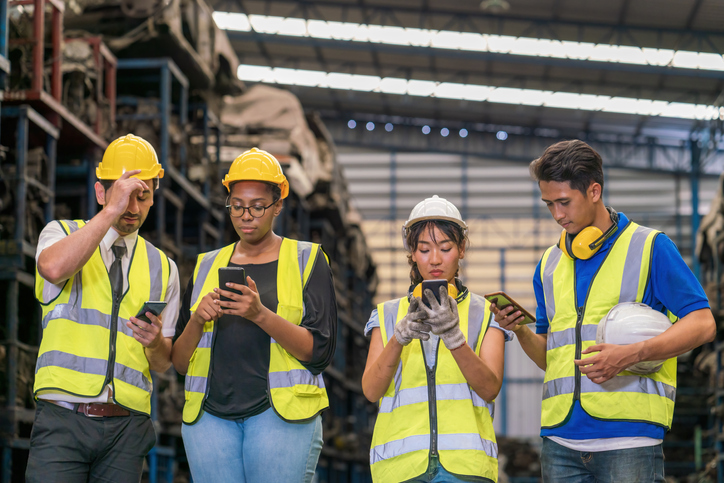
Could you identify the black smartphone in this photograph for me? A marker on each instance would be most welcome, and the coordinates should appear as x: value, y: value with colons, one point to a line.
x: 502, y: 300
x: 153, y: 306
x: 231, y: 275
x: 433, y: 285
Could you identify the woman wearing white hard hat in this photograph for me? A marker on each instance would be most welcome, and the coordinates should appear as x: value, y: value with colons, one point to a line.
x: 435, y: 422
x: 253, y: 359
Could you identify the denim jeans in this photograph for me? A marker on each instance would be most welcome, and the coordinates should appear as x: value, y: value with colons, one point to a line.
x: 635, y: 465
x: 259, y: 449
x: 437, y: 474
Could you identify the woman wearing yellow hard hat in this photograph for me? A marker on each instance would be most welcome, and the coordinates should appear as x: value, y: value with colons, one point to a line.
x: 253, y: 359
x: 436, y: 400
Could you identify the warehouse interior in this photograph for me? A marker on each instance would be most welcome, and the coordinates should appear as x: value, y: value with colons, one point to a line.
x: 370, y: 106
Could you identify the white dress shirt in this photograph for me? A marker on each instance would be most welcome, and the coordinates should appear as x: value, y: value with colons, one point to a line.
x: 53, y: 232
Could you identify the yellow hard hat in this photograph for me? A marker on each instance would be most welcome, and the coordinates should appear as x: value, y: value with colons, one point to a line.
x: 257, y: 165
x: 129, y: 153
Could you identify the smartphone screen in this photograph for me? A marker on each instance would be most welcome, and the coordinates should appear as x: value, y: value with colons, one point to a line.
x: 503, y: 300
x: 433, y: 285
x: 153, y: 306
x: 231, y: 275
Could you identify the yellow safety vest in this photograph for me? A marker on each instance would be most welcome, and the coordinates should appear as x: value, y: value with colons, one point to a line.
x: 80, y: 339
x: 405, y: 437
x: 294, y: 392
x: 622, y: 277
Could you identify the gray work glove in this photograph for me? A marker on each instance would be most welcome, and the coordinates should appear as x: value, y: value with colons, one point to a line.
x: 410, y: 326
x: 444, y: 319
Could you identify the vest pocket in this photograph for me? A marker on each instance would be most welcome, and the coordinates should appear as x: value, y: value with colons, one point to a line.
x: 291, y: 313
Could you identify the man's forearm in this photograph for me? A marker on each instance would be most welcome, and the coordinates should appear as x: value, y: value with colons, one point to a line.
x: 690, y: 332
x: 159, y: 358
x: 66, y: 257
x: 534, y: 345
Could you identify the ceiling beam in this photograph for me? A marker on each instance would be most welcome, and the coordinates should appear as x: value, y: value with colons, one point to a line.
x: 472, y: 56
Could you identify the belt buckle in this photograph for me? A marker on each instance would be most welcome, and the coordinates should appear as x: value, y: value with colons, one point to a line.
x: 83, y: 408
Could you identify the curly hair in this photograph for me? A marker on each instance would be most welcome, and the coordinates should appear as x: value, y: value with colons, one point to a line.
x: 451, y: 230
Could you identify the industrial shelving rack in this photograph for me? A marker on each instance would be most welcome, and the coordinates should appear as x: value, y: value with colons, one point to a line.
x: 17, y: 274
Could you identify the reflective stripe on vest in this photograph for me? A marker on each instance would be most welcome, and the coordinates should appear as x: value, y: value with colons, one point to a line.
x: 443, y: 392
x: 70, y: 359
x: 622, y: 277
x: 644, y: 385
x: 295, y: 393
x: 421, y: 442
x: 401, y: 441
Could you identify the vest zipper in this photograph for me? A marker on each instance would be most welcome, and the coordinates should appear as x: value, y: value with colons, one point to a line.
x: 431, y: 397
x: 579, y: 344
x: 581, y: 309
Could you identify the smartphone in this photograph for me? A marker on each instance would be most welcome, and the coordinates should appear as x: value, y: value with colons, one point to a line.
x: 153, y: 306
x: 232, y: 275
x: 502, y: 300
x: 433, y: 285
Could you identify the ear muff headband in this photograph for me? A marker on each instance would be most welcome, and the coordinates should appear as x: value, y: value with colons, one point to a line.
x: 588, y: 241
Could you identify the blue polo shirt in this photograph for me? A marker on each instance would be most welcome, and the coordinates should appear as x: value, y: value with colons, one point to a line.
x: 671, y: 286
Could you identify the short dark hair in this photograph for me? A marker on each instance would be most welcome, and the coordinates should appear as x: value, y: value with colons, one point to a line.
x: 573, y: 161
x: 451, y: 230
x: 107, y: 183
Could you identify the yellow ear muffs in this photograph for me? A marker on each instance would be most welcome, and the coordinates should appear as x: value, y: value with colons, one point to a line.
x: 579, y: 246
x: 587, y: 242
x: 452, y: 290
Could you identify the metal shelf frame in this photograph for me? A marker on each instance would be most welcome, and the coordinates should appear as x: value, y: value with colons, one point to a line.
x: 13, y: 255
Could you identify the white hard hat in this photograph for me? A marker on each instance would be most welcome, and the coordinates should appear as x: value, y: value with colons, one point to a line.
x: 434, y: 208
x: 629, y: 323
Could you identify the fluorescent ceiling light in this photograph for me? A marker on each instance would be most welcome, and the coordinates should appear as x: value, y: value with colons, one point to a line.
x: 468, y: 41
x: 472, y: 92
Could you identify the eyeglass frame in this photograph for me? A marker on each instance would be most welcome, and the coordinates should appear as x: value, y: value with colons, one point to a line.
x: 244, y: 209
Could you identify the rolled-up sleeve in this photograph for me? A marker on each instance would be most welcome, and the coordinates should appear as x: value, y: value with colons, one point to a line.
x: 320, y: 315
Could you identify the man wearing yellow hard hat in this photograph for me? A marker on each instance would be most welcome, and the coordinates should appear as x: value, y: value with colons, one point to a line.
x: 92, y: 379
x: 253, y: 359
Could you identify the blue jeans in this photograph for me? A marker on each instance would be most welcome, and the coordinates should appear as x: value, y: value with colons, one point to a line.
x: 634, y: 465
x: 259, y: 449
x: 437, y: 474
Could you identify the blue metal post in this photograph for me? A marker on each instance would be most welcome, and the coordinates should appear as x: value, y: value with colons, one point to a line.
x: 502, y: 397
x: 464, y: 193
x: 51, y: 152
x: 695, y: 173
x: 165, y: 88
x: 183, y: 119
x: 90, y: 183
x: 152, y: 455
x: 4, y: 63
x: 393, y: 219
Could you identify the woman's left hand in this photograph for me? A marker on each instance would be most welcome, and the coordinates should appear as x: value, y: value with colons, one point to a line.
x: 247, y: 305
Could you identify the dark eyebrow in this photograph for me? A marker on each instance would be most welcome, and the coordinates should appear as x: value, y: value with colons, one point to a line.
x: 254, y: 200
x: 438, y: 243
x: 558, y: 199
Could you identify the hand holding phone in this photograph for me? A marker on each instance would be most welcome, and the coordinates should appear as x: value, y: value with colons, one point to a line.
x: 231, y: 275
x: 503, y: 300
x: 433, y: 285
x: 153, y: 306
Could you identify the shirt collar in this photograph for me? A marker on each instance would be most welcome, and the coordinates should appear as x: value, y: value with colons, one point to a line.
x: 622, y: 222
x: 112, y: 235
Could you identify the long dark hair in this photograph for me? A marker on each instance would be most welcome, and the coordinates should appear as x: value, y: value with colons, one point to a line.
x: 451, y: 230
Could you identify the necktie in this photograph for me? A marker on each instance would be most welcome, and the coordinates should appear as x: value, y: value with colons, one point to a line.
x: 116, y: 272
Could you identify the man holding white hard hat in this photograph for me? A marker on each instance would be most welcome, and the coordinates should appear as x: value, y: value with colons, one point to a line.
x: 600, y: 420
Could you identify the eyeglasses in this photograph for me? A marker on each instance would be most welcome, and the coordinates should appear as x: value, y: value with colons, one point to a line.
x: 256, y: 211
